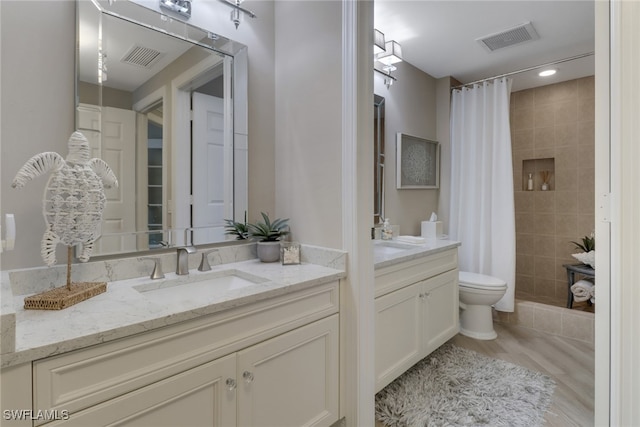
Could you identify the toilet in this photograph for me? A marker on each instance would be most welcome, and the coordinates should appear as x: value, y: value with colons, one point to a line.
x: 478, y: 292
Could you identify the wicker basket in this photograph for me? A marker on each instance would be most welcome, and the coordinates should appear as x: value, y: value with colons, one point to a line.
x: 64, y: 296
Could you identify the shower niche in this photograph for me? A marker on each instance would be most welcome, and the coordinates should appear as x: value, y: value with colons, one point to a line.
x: 538, y: 174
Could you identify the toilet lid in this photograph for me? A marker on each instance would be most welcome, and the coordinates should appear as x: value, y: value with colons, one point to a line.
x: 479, y: 280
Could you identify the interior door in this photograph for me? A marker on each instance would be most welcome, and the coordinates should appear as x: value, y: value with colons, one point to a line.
x: 111, y: 135
x: 210, y: 174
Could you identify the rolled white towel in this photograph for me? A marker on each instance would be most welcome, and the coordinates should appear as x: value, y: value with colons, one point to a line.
x: 592, y: 294
x: 581, y: 290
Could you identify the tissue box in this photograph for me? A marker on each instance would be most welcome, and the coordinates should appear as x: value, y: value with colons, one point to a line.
x: 432, y: 229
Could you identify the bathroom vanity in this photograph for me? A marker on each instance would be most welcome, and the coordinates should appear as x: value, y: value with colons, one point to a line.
x: 416, y: 303
x: 264, y: 349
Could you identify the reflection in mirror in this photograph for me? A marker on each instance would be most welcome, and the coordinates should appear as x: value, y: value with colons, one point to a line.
x: 378, y: 161
x: 163, y: 103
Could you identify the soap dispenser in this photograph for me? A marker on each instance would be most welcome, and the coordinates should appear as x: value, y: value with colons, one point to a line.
x: 387, y: 232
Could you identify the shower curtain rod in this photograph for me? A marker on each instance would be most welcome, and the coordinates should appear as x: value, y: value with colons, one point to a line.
x: 524, y: 70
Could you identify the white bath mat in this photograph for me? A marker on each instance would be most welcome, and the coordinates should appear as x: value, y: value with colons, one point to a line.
x: 458, y: 387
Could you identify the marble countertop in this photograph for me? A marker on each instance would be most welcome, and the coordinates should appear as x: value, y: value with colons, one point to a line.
x: 391, y: 252
x: 123, y: 310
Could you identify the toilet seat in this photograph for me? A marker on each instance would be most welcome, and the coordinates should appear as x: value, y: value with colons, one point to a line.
x: 480, y: 281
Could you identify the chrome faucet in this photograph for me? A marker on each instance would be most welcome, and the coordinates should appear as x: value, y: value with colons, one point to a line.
x: 204, y: 263
x: 182, y: 259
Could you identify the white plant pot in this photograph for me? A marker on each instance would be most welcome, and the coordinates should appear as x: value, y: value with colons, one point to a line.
x: 588, y: 258
x: 269, y: 251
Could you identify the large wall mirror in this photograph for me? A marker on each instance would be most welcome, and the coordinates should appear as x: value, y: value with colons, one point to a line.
x: 378, y: 159
x: 164, y: 103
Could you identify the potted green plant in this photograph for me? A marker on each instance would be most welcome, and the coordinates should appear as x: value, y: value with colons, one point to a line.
x: 268, y: 234
x: 588, y: 248
x: 235, y: 228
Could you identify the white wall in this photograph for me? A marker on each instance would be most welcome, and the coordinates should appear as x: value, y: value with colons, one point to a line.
x: 308, y: 160
x: 37, y: 96
x: 410, y: 107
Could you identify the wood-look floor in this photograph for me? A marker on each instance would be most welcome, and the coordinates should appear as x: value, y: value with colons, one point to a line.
x: 569, y: 362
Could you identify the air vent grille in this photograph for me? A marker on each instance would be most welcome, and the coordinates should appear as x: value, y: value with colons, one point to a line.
x: 141, y: 56
x: 516, y: 35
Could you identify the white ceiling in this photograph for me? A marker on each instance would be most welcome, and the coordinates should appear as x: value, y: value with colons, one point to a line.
x: 439, y: 37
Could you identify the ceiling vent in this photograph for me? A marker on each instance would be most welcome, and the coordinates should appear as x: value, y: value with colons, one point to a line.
x: 142, y: 56
x: 520, y: 34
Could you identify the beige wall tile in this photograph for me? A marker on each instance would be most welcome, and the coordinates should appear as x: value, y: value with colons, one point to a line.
x: 545, y: 245
x: 525, y: 265
x: 578, y: 325
x: 566, y: 202
x: 523, y: 119
x: 525, y: 244
x: 566, y: 134
x: 522, y: 99
x: 544, y: 287
x: 566, y: 180
x: 544, y: 137
x: 565, y: 112
x: 546, y: 222
x: 566, y: 91
x: 543, y: 95
x: 547, y: 320
x: 523, y: 315
x: 544, y: 117
x: 544, y: 201
x: 524, y: 201
x: 524, y: 284
x: 522, y: 139
x: 544, y: 268
x: 586, y: 135
x: 586, y: 88
x: 587, y: 110
x: 586, y: 179
x: 525, y: 223
x: 566, y: 224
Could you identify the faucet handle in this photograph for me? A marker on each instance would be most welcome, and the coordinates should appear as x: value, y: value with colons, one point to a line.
x: 157, y: 267
x: 204, y: 264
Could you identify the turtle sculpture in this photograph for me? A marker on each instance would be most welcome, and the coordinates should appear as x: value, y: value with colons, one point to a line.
x: 74, y: 196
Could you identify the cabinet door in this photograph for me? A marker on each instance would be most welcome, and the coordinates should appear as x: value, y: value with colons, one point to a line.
x: 398, y: 332
x: 441, y: 312
x: 292, y: 379
x: 198, y: 397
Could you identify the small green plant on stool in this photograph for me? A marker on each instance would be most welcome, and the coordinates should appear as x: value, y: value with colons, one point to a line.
x: 588, y: 243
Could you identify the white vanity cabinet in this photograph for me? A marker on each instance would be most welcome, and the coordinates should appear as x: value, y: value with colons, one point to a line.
x: 416, y: 311
x: 269, y: 363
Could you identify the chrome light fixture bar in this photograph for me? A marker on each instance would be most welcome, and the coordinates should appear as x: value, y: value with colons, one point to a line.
x: 235, y: 13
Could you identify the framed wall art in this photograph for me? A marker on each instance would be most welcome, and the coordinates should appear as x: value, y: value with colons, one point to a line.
x: 418, y: 162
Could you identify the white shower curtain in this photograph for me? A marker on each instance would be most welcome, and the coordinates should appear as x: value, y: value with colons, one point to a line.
x: 482, y: 207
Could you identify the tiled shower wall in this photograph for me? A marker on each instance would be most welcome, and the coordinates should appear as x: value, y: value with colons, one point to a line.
x: 552, y: 122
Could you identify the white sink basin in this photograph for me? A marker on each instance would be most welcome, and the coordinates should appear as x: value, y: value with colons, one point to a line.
x: 390, y: 246
x: 198, y: 287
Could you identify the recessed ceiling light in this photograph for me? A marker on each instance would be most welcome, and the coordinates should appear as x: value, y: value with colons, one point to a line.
x: 546, y: 73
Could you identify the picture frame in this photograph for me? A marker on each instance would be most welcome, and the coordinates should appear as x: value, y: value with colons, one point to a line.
x: 417, y: 162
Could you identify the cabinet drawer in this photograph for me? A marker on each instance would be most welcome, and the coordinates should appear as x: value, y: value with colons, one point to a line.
x: 84, y: 378
x: 397, y: 276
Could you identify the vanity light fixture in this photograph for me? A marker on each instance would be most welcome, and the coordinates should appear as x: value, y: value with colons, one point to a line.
x: 181, y: 7
x: 392, y: 54
x: 547, y: 73
x: 236, y: 16
x: 378, y: 42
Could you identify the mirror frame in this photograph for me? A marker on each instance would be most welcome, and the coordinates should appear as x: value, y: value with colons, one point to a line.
x: 235, y: 65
